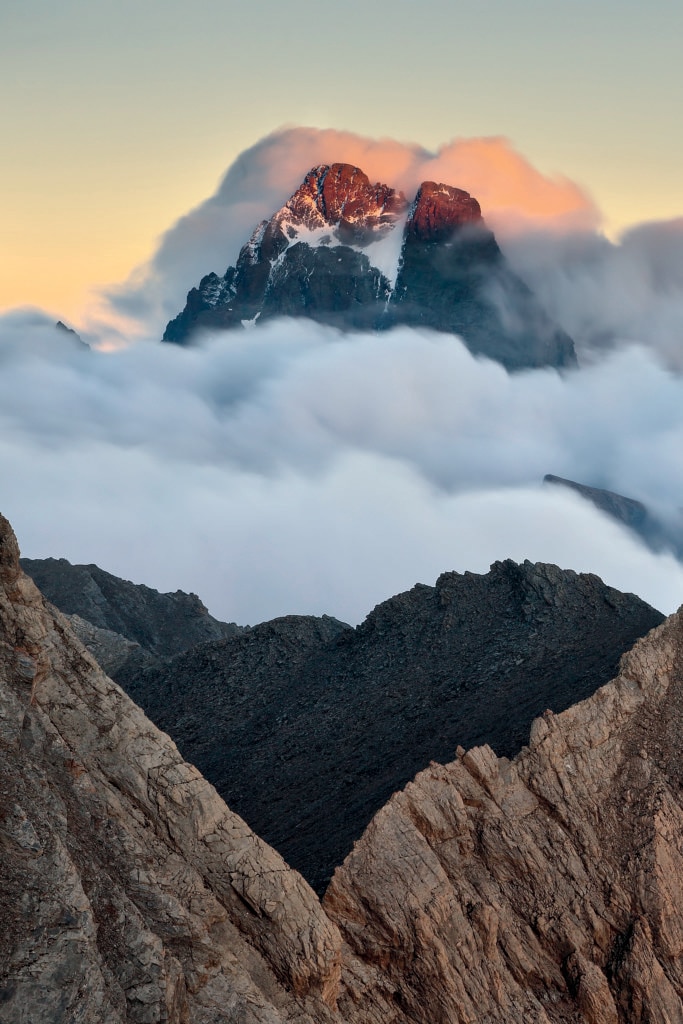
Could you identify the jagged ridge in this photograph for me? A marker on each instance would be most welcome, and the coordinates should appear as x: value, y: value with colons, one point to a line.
x: 307, y: 726
x: 348, y: 253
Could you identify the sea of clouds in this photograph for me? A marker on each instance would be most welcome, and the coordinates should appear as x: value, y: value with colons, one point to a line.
x: 293, y: 468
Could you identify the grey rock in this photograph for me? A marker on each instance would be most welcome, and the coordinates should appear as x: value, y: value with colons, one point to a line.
x: 657, y: 533
x: 162, y: 624
x: 111, y: 651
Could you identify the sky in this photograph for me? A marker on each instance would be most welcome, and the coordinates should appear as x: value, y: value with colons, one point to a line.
x: 119, y: 117
x: 293, y: 468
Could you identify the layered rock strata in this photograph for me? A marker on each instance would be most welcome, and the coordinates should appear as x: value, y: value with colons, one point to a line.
x: 548, y: 888
x: 545, y: 888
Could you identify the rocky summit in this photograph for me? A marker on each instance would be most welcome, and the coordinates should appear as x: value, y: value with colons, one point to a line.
x: 360, y: 256
x: 546, y: 887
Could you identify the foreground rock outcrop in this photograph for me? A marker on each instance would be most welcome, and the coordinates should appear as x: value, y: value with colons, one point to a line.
x: 547, y: 888
x: 128, y: 890
x: 359, y: 256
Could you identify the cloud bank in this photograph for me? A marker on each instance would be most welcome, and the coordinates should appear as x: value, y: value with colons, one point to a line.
x: 608, y: 294
x: 296, y: 469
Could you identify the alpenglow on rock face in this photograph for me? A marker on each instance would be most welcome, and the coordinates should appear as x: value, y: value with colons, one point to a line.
x: 359, y: 256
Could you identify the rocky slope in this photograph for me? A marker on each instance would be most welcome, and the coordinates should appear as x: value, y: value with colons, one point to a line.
x: 307, y: 726
x: 130, y: 890
x: 159, y: 624
x: 358, y: 256
x: 546, y: 888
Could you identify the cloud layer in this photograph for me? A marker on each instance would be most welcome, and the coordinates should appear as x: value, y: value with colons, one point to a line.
x: 604, y: 293
x: 297, y: 469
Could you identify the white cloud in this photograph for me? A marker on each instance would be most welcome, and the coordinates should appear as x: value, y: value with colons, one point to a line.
x: 293, y: 468
x: 298, y: 469
x: 607, y: 293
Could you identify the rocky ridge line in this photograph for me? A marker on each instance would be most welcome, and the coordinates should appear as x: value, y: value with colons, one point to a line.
x: 160, y: 624
x: 307, y: 726
x: 318, y: 257
x: 548, y: 888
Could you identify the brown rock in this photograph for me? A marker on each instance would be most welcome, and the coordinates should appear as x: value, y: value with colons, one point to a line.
x: 547, y: 888
x: 439, y: 210
x: 592, y: 993
x: 533, y: 889
x: 342, y: 196
x: 134, y: 894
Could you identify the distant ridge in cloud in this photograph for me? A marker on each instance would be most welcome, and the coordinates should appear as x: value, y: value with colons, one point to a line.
x: 298, y: 469
x: 606, y: 294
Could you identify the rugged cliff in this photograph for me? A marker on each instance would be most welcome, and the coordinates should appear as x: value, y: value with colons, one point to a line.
x: 307, y: 726
x: 128, y: 890
x: 546, y: 888
x: 162, y: 624
x: 358, y: 255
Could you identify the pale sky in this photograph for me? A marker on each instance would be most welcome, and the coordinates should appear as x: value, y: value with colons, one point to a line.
x: 118, y: 117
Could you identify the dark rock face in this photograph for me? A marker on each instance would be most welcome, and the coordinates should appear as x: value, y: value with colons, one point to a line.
x: 74, y: 335
x: 626, y: 510
x: 333, y: 286
x: 307, y: 726
x: 657, y: 534
x: 308, y: 260
x: 162, y: 624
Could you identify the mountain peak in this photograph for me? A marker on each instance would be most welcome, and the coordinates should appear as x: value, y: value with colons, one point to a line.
x: 341, y: 196
x: 439, y: 210
x: 355, y: 255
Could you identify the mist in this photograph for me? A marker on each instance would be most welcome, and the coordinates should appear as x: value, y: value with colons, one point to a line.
x: 294, y: 468
x: 609, y: 293
x: 297, y: 469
